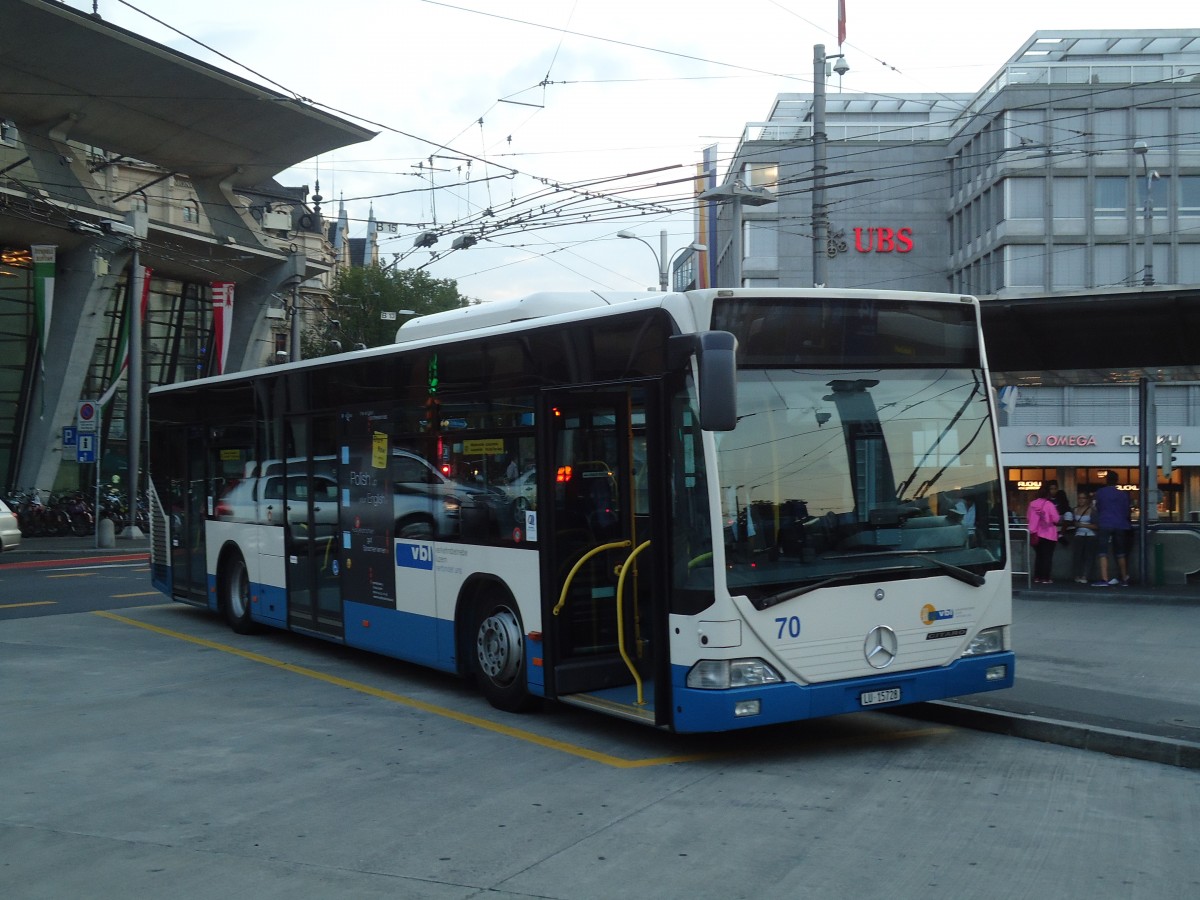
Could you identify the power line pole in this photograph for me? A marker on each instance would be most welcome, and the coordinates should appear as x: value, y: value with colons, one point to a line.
x: 819, y: 222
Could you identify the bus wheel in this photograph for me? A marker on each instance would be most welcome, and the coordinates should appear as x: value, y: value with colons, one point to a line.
x: 500, y: 655
x: 234, y: 594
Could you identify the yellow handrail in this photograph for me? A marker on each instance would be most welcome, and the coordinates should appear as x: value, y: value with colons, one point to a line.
x: 562, y: 597
x: 621, y: 620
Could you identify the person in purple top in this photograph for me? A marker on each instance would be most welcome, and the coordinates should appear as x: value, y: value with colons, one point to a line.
x: 1113, y: 527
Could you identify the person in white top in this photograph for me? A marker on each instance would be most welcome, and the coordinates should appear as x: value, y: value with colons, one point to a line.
x: 1083, y: 538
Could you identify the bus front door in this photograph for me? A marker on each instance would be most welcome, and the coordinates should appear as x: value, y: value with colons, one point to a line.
x: 600, y: 523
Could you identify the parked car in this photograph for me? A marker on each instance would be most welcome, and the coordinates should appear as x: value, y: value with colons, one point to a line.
x: 523, y: 489
x: 428, y: 504
x: 271, y: 496
x: 10, y: 530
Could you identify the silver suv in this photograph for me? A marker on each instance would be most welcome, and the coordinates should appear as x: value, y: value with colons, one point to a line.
x: 428, y: 504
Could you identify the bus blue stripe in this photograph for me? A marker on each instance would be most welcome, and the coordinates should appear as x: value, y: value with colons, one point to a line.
x: 401, y: 634
x: 698, y: 710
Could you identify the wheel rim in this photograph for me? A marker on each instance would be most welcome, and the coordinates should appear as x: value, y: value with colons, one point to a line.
x: 498, y: 646
x: 239, y: 589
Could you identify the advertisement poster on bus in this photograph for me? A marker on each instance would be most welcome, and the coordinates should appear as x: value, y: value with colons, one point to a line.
x: 366, y: 520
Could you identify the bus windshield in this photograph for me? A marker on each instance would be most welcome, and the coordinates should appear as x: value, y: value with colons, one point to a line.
x: 857, y: 472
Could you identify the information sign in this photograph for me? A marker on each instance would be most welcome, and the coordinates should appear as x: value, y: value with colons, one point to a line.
x: 85, y: 450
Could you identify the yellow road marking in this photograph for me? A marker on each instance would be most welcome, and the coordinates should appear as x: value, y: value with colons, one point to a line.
x: 139, y: 594
x: 35, y: 603
x: 392, y: 697
x: 73, y: 575
x: 519, y: 734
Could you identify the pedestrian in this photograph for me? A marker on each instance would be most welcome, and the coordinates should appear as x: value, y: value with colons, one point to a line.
x: 1113, y: 528
x: 1062, y: 503
x: 1042, y: 518
x: 1059, y: 498
x: 1066, y: 518
x: 1083, y: 541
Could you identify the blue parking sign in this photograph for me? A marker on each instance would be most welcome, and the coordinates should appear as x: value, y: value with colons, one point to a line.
x: 69, y: 433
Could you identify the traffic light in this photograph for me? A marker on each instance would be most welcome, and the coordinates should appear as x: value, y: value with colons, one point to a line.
x: 1168, y: 458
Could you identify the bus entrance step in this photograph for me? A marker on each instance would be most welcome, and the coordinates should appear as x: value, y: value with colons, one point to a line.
x: 631, y: 711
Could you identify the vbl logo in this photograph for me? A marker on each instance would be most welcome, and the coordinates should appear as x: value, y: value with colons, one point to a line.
x: 883, y: 240
x: 414, y: 556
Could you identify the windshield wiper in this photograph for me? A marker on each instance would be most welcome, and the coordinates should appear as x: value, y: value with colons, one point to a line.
x: 784, y: 596
x: 964, y: 575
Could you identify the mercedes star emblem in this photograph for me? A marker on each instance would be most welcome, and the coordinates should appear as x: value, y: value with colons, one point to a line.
x: 881, y: 647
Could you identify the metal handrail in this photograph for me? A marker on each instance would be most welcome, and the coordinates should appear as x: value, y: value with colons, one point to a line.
x: 562, y: 597
x: 624, y: 567
x: 1019, y: 535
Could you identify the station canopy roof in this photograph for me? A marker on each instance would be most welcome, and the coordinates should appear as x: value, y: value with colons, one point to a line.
x: 111, y: 88
x: 1093, y: 337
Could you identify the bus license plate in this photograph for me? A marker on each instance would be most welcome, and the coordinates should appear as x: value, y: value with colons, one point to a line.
x: 871, y: 698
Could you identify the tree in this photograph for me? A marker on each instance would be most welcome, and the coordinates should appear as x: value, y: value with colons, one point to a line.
x: 361, y: 297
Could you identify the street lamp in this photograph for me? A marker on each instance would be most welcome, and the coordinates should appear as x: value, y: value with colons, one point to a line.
x: 1141, y: 149
x: 737, y: 194
x: 660, y: 256
x: 694, y: 246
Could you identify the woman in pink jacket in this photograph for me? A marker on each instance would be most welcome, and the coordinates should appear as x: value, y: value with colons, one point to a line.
x: 1042, y: 517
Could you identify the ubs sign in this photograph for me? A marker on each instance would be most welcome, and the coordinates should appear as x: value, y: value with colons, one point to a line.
x: 883, y: 240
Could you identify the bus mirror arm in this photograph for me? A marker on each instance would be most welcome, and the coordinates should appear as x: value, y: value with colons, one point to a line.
x: 716, y: 364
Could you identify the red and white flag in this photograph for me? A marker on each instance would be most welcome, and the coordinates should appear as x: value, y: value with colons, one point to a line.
x: 841, y: 22
x: 222, y: 299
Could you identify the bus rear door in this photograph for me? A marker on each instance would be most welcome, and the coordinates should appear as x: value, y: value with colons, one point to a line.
x: 310, y: 545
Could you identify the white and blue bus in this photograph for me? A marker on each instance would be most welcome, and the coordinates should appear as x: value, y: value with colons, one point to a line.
x: 701, y: 511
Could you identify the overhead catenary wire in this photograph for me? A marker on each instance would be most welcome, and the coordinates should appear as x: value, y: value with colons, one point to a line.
x: 554, y: 212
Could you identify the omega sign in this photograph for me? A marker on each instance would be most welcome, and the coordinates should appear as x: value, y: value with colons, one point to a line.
x: 883, y: 240
x: 1059, y: 440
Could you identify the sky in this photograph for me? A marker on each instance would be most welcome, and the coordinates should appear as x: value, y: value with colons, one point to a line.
x: 544, y: 127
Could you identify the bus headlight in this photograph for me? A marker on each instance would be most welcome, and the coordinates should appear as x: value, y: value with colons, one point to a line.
x: 721, y: 674
x: 990, y: 640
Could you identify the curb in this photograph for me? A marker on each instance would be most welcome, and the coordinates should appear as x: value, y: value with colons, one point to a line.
x: 1127, y: 744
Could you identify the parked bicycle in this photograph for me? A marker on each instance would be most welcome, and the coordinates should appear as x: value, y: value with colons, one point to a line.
x: 35, y: 518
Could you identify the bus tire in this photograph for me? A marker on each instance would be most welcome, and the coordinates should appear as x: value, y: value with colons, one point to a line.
x: 498, y: 653
x: 234, y: 594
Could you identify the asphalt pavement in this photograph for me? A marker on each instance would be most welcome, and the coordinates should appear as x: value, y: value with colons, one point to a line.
x: 1109, y: 669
